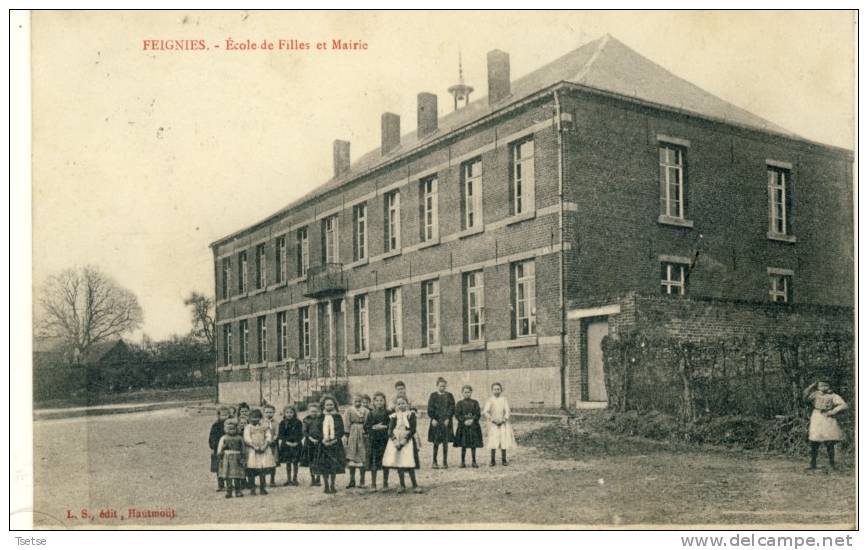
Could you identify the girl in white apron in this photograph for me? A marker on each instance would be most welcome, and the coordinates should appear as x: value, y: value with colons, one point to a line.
x: 824, y: 426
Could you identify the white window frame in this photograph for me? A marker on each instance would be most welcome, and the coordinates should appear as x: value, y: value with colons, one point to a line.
x: 393, y: 221
x: 282, y: 336
x: 525, y: 298
x: 262, y: 338
x: 669, y: 166
x: 778, y: 188
x: 226, y: 289
x: 394, y: 328
x: 280, y: 252
x: 227, y: 344
x: 332, y: 239
x: 304, y: 332
x: 674, y: 277
x: 360, y: 318
x: 523, y: 176
x: 242, y: 271
x: 431, y: 291
x: 244, y: 334
x: 430, y: 223
x: 360, y: 229
x: 261, y: 266
x: 776, y: 277
x: 475, y: 296
x: 472, y: 191
x: 304, y: 251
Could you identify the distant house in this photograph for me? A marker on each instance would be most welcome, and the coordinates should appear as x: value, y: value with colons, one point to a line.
x: 54, y: 352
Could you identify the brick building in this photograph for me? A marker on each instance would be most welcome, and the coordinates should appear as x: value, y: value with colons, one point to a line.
x: 498, y: 242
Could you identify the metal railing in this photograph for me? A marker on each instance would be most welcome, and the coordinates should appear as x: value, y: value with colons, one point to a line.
x: 325, y: 279
x: 298, y: 380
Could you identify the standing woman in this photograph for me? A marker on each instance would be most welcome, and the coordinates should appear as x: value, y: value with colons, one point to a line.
x: 330, y: 457
x: 441, y: 409
x: 824, y: 426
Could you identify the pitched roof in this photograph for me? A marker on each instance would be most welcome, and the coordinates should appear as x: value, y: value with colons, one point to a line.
x: 604, y: 64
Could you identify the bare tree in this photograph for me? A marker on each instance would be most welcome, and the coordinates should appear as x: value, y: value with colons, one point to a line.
x: 202, y: 313
x: 84, y: 306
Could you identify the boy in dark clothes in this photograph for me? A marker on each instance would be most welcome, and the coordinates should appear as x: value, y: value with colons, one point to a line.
x: 214, y: 439
x: 441, y: 408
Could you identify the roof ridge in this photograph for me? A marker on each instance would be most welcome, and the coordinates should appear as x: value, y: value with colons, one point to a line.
x: 590, y: 63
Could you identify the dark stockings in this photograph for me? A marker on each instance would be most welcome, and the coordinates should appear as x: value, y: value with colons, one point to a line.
x: 412, y: 474
x: 445, y: 451
x: 830, y: 450
x: 464, y: 454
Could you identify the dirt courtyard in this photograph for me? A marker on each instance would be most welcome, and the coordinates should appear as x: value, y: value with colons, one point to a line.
x: 158, y: 461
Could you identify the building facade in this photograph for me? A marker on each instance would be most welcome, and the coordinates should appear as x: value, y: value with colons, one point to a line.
x: 484, y: 246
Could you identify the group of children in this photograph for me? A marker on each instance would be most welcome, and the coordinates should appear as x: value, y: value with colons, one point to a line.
x: 247, y: 445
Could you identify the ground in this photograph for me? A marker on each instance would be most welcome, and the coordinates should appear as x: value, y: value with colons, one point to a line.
x: 159, y: 461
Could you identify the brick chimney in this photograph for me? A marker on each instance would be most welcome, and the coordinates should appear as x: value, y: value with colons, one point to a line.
x: 341, y: 151
x: 426, y: 114
x: 498, y: 76
x: 390, y: 126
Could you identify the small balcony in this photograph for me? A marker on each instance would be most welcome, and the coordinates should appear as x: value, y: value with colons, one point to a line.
x: 325, y: 280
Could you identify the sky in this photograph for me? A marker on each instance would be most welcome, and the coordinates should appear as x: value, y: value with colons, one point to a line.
x: 143, y: 158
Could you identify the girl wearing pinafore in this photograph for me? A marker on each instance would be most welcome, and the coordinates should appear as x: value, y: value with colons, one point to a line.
x: 500, y: 434
x: 824, y: 426
x: 260, y: 458
x: 354, y: 446
x: 401, y: 450
x: 330, y: 458
x: 229, y: 450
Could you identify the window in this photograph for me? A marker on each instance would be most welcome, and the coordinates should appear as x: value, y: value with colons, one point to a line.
x: 392, y: 203
x: 779, y: 200
x: 227, y: 344
x: 331, y: 242
x: 304, y: 332
x: 672, y: 188
x: 428, y: 209
x: 282, y: 341
x: 261, y: 274
x: 524, y: 299
x: 227, y: 278
x: 521, y: 177
x: 245, y: 334
x: 360, y: 232
x: 242, y: 272
x: 303, y: 248
x: 261, y: 339
x: 393, y: 318
x: 280, y: 259
x: 471, y: 194
x: 474, y: 311
x: 360, y: 317
x: 430, y: 313
x: 780, y: 285
x: 673, y: 278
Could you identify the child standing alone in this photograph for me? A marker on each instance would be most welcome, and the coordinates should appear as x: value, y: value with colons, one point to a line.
x: 824, y: 427
x: 500, y: 434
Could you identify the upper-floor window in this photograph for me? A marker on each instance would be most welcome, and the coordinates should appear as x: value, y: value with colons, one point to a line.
x: 261, y: 339
x: 524, y: 298
x: 304, y: 332
x: 393, y: 318
x: 242, y: 272
x: 392, y: 233
x: 227, y: 278
x: 672, y: 180
x: 673, y: 278
x: 244, y: 333
x: 261, y: 270
x: 331, y: 240
x: 780, y: 285
x: 521, y: 177
x: 303, y: 251
x: 360, y: 318
x: 428, y: 208
x: 360, y: 232
x: 227, y: 344
x: 471, y: 194
x: 280, y: 259
x: 474, y: 307
x: 779, y: 200
x: 282, y: 336
x: 430, y: 313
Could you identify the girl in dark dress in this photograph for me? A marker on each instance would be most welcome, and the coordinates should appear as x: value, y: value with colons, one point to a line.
x: 468, y: 433
x: 312, y: 431
x: 441, y: 408
x: 290, y: 434
x: 213, y: 439
x: 330, y: 458
x: 377, y: 431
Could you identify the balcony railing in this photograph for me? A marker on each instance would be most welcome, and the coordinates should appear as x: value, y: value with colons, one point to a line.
x: 326, y: 280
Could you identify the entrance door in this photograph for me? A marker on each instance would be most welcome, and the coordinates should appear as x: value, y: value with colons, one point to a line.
x: 595, y: 332
x: 339, y: 352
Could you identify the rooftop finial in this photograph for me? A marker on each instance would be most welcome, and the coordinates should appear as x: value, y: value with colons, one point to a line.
x: 460, y: 91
